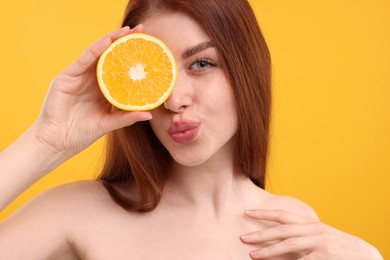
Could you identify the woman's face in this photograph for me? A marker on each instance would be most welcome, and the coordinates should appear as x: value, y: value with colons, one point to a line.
x: 198, y: 121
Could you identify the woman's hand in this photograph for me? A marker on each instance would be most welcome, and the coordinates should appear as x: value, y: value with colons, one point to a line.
x: 306, y: 236
x: 75, y: 113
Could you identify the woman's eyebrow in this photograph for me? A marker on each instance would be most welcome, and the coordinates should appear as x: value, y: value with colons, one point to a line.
x: 197, y: 48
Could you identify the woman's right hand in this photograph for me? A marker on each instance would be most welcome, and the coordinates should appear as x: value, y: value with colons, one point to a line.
x: 75, y: 112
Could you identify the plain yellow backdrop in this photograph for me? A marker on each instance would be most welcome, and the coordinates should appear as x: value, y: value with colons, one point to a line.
x: 331, y: 124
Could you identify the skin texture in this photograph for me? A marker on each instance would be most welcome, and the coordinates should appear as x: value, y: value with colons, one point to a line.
x: 203, y: 213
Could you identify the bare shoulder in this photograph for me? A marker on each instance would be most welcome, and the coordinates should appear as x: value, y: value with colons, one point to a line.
x: 290, y: 204
x: 50, y: 220
x: 64, y: 204
x: 80, y: 197
x: 83, y: 190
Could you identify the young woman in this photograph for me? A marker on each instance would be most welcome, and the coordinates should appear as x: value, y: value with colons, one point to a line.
x: 184, y: 181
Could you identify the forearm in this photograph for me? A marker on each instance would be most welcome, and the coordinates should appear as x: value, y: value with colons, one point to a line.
x: 74, y: 115
x: 23, y: 163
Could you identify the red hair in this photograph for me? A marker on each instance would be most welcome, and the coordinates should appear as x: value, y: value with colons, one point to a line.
x: 136, y: 158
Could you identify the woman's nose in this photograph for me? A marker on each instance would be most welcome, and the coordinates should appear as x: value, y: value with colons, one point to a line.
x: 181, y: 96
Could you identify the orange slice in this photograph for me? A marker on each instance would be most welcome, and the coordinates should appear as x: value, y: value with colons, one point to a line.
x: 137, y: 72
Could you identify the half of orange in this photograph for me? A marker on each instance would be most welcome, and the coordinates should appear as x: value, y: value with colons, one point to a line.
x: 137, y: 72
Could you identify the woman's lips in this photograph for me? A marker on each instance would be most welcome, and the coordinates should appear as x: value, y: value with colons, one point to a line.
x: 183, y: 131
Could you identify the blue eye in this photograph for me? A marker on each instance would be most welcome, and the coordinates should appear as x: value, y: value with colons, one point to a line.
x: 202, y: 64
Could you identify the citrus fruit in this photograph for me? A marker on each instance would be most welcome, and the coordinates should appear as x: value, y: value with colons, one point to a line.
x: 137, y: 72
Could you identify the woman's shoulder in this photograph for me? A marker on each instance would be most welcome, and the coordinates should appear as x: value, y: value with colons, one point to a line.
x: 78, y: 188
x: 53, y: 219
x: 288, y: 203
x: 79, y: 193
x: 70, y: 200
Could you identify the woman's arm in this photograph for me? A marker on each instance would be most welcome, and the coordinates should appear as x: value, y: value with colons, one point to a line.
x: 74, y: 115
x: 23, y: 163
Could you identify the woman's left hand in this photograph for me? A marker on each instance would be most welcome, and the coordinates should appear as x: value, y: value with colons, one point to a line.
x: 306, y: 236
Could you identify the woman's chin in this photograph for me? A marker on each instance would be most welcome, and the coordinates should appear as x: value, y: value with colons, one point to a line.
x: 188, y: 161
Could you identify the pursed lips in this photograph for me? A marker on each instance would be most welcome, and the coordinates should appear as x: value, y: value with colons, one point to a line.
x: 183, y: 131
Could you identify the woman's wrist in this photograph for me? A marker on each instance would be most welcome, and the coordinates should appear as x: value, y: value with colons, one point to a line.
x: 51, y: 150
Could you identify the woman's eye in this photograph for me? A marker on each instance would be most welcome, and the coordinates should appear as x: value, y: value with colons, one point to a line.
x: 202, y: 64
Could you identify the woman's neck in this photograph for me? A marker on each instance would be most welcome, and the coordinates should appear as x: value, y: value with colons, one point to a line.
x: 211, y: 188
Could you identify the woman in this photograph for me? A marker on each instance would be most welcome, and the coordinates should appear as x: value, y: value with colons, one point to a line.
x: 184, y: 181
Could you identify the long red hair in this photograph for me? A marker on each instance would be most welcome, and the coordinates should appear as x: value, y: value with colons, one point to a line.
x: 135, y: 157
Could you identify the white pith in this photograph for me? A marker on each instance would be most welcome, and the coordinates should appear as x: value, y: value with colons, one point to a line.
x: 137, y: 72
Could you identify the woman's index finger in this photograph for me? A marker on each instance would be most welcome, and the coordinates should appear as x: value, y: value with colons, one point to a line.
x: 278, y: 216
x: 93, y: 52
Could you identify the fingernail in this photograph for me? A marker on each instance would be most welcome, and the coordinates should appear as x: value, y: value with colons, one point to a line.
x: 250, y: 211
x: 136, y: 27
x: 148, y: 117
x: 246, y: 237
x: 256, y: 254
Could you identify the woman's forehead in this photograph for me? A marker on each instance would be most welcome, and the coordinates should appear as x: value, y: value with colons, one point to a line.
x: 178, y: 30
x: 175, y: 29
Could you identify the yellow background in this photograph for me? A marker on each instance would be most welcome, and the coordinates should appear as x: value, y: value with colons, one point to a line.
x: 331, y: 60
